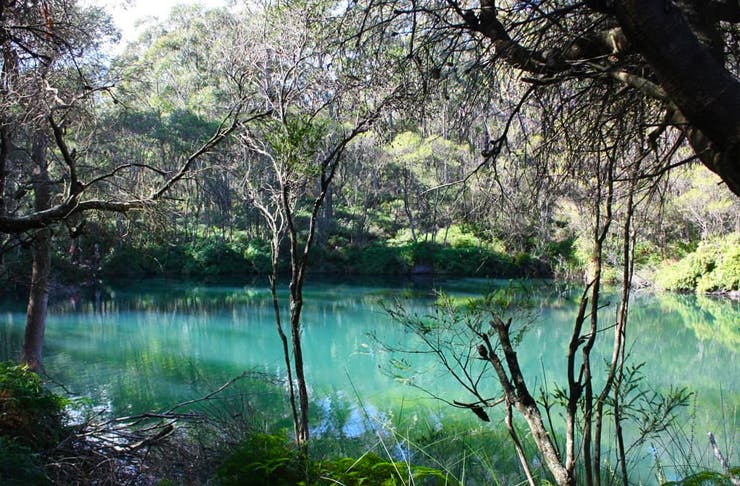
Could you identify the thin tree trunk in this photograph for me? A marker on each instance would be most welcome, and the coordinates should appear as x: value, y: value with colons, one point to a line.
x: 518, y: 393
x: 297, y: 268
x: 281, y: 333
x: 407, y: 205
x: 296, y: 306
x: 33, y: 341
x: 614, y: 376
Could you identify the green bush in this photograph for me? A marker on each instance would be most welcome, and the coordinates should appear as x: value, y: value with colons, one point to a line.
x: 263, y: 460
x: 19, y: 464
x: 258, y: 257
x: 29, y: 413
x: 379, y: 259
x: 726, y: 272
x: 713, y: 266
x: 401, y: 259
x: 371, y: 469
x: 270, y: 460
x: 214, y: 256
x: 706, y: 478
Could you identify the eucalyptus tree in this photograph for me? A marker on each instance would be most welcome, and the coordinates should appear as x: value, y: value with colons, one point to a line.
x: 678, y: 60
x: 423, y: 174
x: 291, y: 158
x: 174, y: 89
x: 53, y: 84
x: 599, y: 97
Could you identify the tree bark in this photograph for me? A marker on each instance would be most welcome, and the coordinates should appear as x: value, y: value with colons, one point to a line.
x: 4, y: 153
x: 296, y: 306
x: 41, y: 253
x: 695, y: 80
x: 518, y: 393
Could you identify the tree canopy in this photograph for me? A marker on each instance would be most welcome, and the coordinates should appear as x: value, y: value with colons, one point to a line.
x: 670, y: 67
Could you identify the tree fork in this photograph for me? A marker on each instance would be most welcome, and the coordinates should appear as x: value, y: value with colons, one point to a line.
x: 694, y: 79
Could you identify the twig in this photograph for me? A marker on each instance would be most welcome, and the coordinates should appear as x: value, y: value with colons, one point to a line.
x: 722, y: 461
x: 210, y: 395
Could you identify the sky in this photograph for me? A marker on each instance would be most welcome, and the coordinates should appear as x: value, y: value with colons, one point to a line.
x: 126, y: 13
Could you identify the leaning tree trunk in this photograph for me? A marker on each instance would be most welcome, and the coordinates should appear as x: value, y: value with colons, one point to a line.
x: 33, y: 341
x: 693, y: 76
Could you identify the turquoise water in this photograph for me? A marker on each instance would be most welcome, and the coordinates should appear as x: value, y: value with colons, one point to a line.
x: 144, y: 345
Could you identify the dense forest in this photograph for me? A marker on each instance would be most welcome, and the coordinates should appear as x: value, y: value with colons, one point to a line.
x: 595, y: 143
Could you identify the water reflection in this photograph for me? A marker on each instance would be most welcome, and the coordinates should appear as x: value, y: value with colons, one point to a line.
x: 147, y: 345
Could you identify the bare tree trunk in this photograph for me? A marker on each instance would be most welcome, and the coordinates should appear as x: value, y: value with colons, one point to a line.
x: 614, y: 376
x: 33, y: 341
x: 281, y: 333
x: 407, y: 205
x: 517, y: 394
x: 4, y: 153
x: 296, y: 306
x: 298, y: 264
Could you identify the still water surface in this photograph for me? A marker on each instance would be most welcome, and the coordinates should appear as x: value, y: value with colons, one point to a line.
x: 144, y: 345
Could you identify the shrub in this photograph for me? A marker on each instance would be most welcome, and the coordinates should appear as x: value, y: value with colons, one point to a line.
x: 262, y: 459
x: 214, y: 256
x: 378, y: 259
x: 707, y: 478
x: 19, y: 464
x: 713, y: 266
x: 29, y: 413
x: 258, y: 256
x: 726, y: 272
x: 372, y: 469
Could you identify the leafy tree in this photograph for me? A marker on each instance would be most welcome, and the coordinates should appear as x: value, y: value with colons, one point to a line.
x: 701, y: 206
x: 423, y: 171
x: 52, y: 79
x: 674, y: 66
x: 292, y: 158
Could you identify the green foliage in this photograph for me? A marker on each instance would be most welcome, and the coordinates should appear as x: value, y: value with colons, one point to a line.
x: 707, y: 478
x: 295, y: 140
x: 378, y: 259
x: 257, y: 255
x: 427, y: 257
x: 714, y: 266
x: 270, y: 460
x: 187, y: 127
x: 19, y: 464
x: 371, y: 469
x: 29, y: 413
x: 205, y: 255
x: 700, y: 205
x: 214, y: 256
x: 263, y: 459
